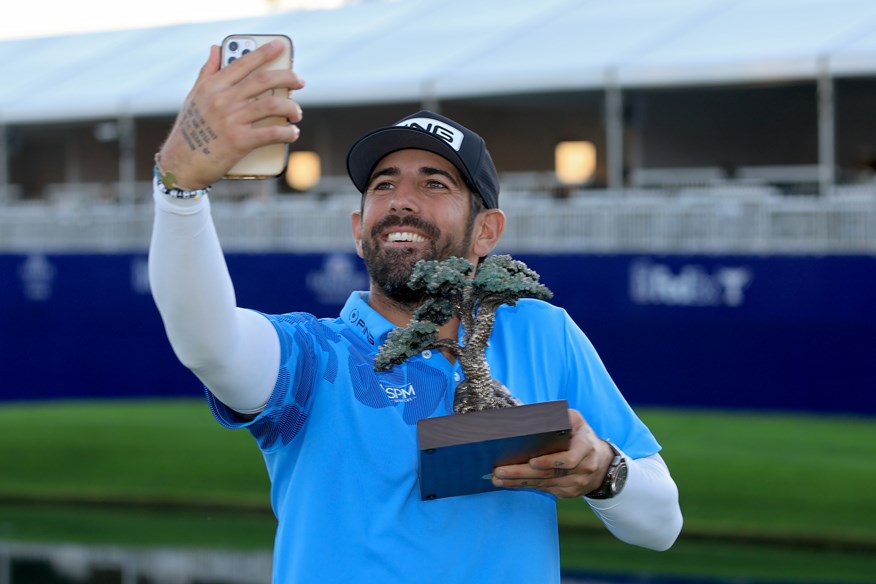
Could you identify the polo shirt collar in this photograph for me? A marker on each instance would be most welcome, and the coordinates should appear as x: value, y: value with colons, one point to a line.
x: 364, y: 321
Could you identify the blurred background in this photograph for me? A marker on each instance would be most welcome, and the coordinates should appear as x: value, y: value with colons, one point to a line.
x: 694, y: 179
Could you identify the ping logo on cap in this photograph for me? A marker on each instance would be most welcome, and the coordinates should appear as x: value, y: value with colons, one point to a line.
x: 447, y: 133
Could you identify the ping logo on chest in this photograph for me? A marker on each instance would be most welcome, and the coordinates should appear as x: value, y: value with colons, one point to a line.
x: 399, y: 394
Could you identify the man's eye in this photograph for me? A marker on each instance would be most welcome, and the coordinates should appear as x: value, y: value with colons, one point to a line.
x: 434, y: 184
x: 382, y: 186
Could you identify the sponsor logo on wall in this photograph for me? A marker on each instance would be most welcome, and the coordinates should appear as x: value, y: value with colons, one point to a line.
x: 689, y: 285
x: 37, y: 275
x: 336, y: 279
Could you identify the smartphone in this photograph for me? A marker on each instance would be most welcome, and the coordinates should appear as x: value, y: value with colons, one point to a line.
x: 267, y: 161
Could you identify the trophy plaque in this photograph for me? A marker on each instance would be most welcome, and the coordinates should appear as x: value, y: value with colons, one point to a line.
x: 489, y: 427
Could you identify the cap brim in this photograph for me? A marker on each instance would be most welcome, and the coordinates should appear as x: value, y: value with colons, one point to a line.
x: 371, y: 148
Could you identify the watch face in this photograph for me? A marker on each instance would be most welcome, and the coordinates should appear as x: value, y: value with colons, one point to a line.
x: 620, y: 479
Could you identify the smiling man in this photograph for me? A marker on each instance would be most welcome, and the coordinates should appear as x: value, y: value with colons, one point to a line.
x: 416, y: 206
x: 338, y: 438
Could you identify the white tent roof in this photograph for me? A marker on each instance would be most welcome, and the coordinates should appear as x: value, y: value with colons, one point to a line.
x: 418, y: 50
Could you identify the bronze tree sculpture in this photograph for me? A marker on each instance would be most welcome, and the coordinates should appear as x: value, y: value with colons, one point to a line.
x: 450, y: 290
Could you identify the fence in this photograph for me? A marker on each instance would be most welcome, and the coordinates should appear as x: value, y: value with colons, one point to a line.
x: 22, y: 563
x: 740, y: 219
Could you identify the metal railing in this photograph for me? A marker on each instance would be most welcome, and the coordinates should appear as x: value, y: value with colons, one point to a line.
x: 87, y: 564
x: 719, y: 219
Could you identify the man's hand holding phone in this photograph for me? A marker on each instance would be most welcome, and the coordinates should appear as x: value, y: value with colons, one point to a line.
x: 223, y: 117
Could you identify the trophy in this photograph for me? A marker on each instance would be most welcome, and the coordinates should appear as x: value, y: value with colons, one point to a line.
x: 489, y: 427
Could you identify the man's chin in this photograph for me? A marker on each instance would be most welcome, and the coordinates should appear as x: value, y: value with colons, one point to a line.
x: 403, y: 295
x: 403, y: 259
x: 390, y: 268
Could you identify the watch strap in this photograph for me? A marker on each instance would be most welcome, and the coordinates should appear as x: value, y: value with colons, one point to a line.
x: 614, y: 477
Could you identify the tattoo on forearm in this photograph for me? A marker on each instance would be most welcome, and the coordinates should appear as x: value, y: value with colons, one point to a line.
x: 195, y: 130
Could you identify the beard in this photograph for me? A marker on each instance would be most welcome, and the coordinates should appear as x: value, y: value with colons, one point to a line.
x: 390, y: 269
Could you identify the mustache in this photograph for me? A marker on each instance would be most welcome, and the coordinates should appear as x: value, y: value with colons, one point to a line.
x: 407, y: 221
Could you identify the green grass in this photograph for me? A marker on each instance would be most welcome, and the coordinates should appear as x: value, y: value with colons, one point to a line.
x: 742, y: 563
x: 780, y: 474
x: 127, y: 449
x: 137, y: 527
x: 767, y: 496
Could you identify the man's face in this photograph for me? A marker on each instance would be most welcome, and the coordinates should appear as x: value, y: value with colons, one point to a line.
x: 416, y: 206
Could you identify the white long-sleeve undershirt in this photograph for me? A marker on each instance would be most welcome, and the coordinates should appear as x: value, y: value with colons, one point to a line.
x: 646, y: 513
x: 236, y: 354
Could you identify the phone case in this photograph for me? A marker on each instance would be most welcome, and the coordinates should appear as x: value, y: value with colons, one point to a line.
x: 267, y: 161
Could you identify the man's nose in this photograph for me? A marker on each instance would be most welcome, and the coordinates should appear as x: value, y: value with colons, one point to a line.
x: 404, y: 198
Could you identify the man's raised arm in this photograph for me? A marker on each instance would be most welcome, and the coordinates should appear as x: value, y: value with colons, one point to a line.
x: 235, y: 352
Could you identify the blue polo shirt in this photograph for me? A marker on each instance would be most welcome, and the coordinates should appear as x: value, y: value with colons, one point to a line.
x: 340, y: 445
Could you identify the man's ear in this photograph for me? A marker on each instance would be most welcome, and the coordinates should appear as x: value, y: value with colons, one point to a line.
x: 489, y: 227
x: 357, y: 231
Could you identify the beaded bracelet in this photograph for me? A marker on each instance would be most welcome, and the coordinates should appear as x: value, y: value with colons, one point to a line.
x: 166, y: 182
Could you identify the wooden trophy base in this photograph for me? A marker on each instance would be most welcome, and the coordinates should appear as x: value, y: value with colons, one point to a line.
x: 458, y: 453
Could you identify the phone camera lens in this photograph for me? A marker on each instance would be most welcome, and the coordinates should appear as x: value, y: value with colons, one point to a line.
x: 244, y: 51
x: 233, y: 45
x: 231, y: 60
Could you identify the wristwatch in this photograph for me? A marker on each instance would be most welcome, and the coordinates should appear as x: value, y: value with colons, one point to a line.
x: 615, y: 478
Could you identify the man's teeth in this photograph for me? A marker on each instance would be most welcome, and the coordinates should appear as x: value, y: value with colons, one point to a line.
x: 405, y: 236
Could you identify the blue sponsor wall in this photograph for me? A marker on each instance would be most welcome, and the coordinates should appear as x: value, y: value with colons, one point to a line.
x: 765, y: 332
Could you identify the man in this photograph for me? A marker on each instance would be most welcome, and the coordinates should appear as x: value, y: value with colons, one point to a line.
x: 340, y: 450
